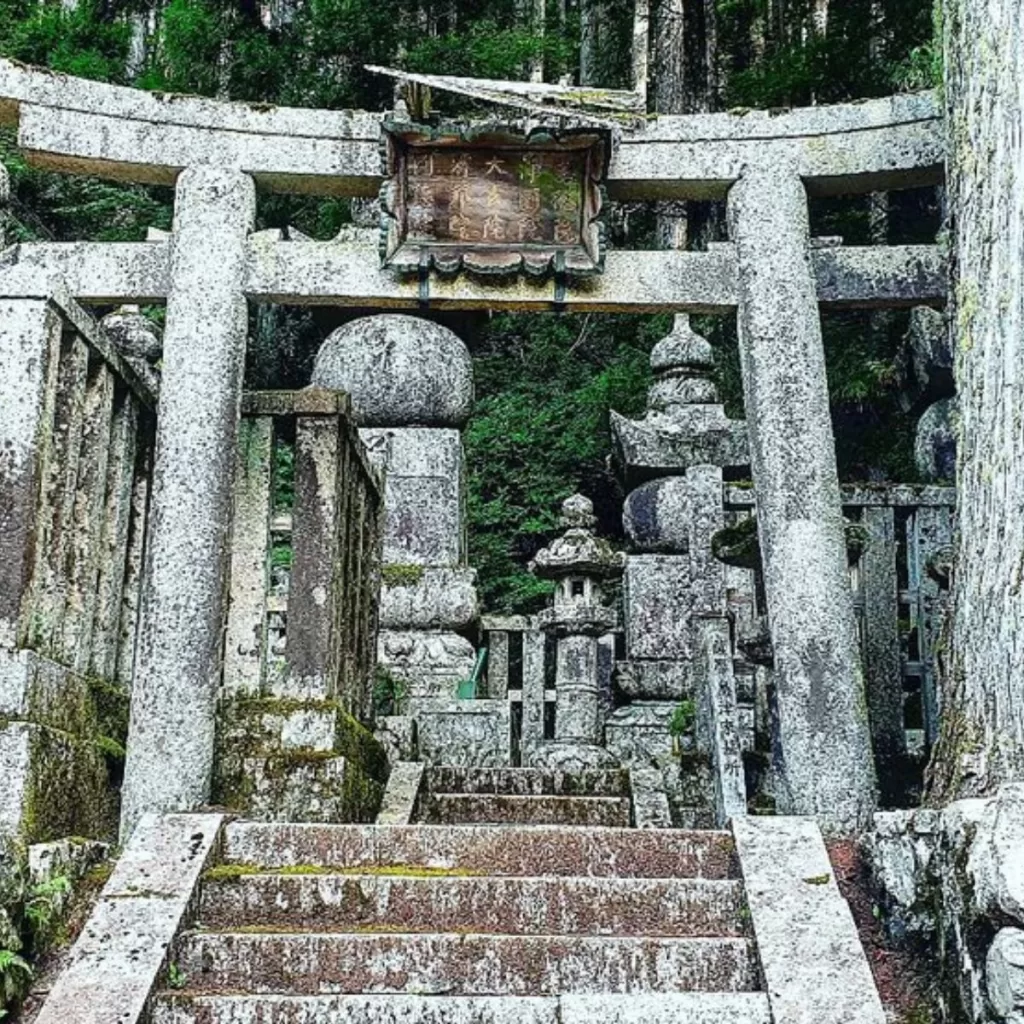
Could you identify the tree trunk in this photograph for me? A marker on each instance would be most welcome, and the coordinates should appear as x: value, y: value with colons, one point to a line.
x: 670, y: 95
x: 981, y: 743
x: 594, y: 32
x: 532, y: 15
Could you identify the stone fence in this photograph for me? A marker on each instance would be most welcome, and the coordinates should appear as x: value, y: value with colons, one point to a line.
x: 301, y: 630
x: 898, y: 539
x: 77, y: 425
x: 305, y: 567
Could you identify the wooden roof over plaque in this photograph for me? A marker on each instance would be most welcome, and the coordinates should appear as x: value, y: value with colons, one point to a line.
x: 492, y: 200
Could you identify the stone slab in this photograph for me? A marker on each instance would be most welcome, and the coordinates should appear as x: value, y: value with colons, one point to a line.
x: 349, y: 275
x: 469, y: 904
x: 527, y: 781
x: 437, y: 599
x: 658, y: 593
x: 55, y: 785
x: 121, y: 953
x: 470, y: 733
x: 512, y: 965
x: 651, y: 807
x: 429, y: 664
x: 657, y: 680
x: 814, y: 966
x: 401, y: 794
x: 496, y: 850
x: 36, y: 689
x: 567, y: 811
x: 638, y: 734
x: 677, y: 1008
x: 89, y: 127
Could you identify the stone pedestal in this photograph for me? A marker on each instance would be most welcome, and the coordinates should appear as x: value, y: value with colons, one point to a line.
x: 170, y: 740
x: 411, y: 384
x: 825, y: 746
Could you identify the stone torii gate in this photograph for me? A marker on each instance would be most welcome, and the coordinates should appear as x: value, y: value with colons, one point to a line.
x: 218, y: 154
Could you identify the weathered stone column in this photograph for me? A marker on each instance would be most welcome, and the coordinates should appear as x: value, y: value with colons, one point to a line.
x: 825, y: 745
x: 170, y: 738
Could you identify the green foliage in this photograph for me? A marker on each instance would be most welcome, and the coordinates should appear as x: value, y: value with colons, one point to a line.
x: 870, y: 48
x: 176, y: 977
x: 34, y: 920
x: 43, y: 908
x: 15, y: 977
x: 545, y: 385
x: 389, y: 693
x: 683, y: 718
x: 78, y: 41
x: 283, y: 476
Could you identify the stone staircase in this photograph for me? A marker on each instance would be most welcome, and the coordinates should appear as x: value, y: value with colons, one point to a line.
x: 524, y: 796
x: 470, y: 924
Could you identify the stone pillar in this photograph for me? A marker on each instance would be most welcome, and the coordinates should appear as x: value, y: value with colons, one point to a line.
x: 825, y: 745
x: 170, y: 738
x: 578, y: 718
x: 411, y: 386
x: 29, y: 356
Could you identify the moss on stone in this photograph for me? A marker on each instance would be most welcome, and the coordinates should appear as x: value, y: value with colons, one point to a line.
x: 398, y: 574
x: 70, y: 792
x: 738, y: 545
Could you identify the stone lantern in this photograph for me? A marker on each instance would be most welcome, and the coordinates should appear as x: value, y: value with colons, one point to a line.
x: 580, y: 564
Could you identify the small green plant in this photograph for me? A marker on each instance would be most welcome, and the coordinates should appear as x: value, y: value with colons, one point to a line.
x: 682, y: 719
x: 176, y: 977
x: 43, y: 906
x: 389, y: 693
x: 401, y: 575
x: 15, y: 977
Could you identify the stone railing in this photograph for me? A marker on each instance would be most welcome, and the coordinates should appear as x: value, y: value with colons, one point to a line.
x: 305, y: 559
x: 301, y: 630
x: 77, y: 427
x: 898, y: 547
x: 521, y: 670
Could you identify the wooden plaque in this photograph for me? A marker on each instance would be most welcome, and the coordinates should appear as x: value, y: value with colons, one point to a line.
x: 492, y: 201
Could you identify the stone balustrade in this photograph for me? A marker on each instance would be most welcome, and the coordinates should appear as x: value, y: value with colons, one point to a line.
x: 301, y: 627
x: 77, y: 424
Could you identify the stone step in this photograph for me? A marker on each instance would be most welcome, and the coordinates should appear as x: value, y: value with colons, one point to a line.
x: 492, y: 808
x: 504, y: 965
x: 527, y: 781
x: 486, y: 849
x: 519, y: 906
x: 682, y: 1008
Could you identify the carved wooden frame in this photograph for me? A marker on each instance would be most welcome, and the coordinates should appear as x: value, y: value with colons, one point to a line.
x: 405, y: 255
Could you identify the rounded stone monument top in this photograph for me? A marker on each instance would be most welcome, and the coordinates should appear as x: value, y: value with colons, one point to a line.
x: 578, y: 510
x: 400, y: 371
x: 133, y: 333
x: 578, y: 551
x: 681, y: 347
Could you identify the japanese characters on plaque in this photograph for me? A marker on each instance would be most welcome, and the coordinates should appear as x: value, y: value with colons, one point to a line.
x: 492, y: 201
x: 495, y: 197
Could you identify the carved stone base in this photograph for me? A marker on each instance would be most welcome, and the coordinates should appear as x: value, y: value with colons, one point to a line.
x: 571, y: 757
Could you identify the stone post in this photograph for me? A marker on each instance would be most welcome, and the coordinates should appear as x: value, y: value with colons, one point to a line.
x: 29, y: 355
x: 170, y: 738
x: 825, y: 744
x: 579, y: 718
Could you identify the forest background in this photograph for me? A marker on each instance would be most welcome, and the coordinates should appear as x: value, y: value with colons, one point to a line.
x: 545, y: 382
